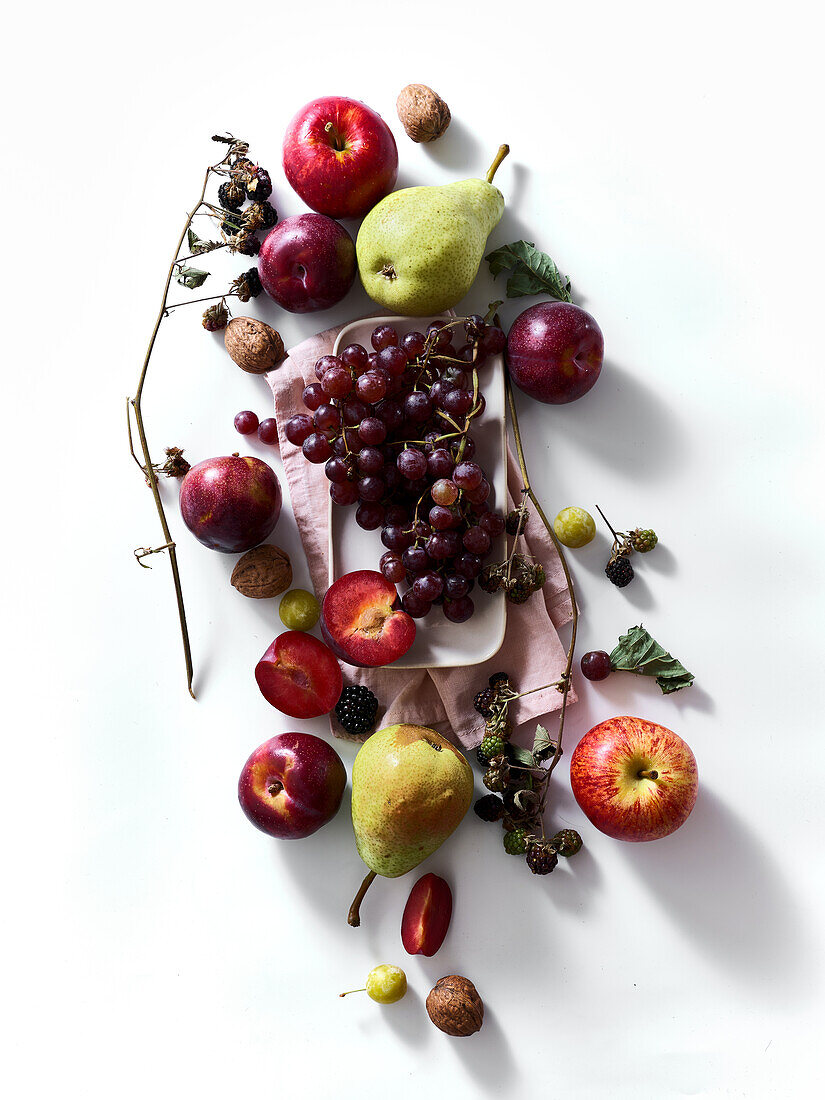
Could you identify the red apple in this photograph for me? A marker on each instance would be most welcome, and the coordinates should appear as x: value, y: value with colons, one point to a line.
x: 231, y: 503
x: 292, y: 785
x: 362, y: 621
x: 340, y: 156
x: 633, y: 779
x: 307, y: 263
x: 555, y: 352
x: 426, y: 916
x: 299, y: 676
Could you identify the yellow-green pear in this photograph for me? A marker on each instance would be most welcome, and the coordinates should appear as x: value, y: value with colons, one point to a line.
x: 419, y: 249
x: 410, y: 790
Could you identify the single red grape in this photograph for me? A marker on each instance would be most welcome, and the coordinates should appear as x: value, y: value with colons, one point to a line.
x: 353, y: 412
x: 371, y: 488
x: 372, y: 430
x: 324, y: 363
x: 344, y: 494
x: 428, y: 586
x: 468, y: 565
x: 314, y: 396
x: 494, y: 341
x: 337, y: 381
x: 393, y: 360
x: 392, y: 566
x: 412, y: 463
x: 444, y: 492
x: 371, y: 387
x: 456, y: 586
x: 596, y: 664
x: 467, y: 475
x: 476, y: 540
x: 457, y: 402
x: 370, y: 460
x: 327, y: 418
x: 480, y: 493
x: 316, y: 447
x: 384, y: 336
x: 337, y: 470
x: 395, y: 537
x: 418, y: 407
x: 413, y: 344
x: 297, y: 428
x: 460, y: 610
x: 492, y: 523
x: 268, y: 430
x: 369, y: 516
x: 355, y: 357
x: 415, y: 559
x: 246, y: 423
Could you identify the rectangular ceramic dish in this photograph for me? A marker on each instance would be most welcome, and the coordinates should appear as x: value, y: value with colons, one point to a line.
x: 438, y: 643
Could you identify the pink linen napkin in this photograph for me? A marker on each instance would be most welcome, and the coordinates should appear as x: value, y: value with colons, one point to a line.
x: 441, y: 698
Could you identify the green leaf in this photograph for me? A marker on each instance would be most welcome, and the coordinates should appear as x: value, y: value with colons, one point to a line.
x: 197, y: 245
x: 533, y: 272
x: 638, y: 652
x: 192, y: 277
x: 522, y: 756
x: 544, y: 747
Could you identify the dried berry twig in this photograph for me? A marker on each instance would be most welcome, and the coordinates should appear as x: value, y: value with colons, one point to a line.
x: 235, y: 150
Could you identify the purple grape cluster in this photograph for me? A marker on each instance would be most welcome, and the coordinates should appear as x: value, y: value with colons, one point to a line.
x: 391, y: 426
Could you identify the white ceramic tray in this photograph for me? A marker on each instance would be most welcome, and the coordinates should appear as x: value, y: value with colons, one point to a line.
x: 438, y: 642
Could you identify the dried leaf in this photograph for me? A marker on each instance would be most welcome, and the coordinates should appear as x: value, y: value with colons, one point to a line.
x: 544, y: 747
x: 638, y: 652
x: 197, y: 245
x: 191, y: 277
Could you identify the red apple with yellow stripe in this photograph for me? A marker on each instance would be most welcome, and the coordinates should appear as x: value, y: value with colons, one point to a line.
x: 292, y: 785
x: 635, y: 780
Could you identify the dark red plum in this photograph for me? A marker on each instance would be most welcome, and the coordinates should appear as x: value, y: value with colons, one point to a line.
x: 307, y: 263
x: 555, y: 352
x: 230, y: 503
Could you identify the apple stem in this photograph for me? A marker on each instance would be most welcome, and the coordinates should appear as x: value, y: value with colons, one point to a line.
x: 503, y: 150
x: 354, y: 915
x: 647, y: 773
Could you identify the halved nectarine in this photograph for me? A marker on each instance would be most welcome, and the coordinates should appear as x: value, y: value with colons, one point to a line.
x: 362, y: 621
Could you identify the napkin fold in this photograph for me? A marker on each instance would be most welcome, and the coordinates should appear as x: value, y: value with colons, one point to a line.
x: 441, y: 698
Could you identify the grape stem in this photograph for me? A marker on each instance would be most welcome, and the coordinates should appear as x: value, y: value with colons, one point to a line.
x: 565, y: 680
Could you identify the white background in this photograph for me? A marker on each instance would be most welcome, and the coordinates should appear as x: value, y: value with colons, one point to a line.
x: 668, y: 157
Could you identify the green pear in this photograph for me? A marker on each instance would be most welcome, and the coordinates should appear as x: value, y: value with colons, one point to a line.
x: 419, y: 249
x: 410, y: 790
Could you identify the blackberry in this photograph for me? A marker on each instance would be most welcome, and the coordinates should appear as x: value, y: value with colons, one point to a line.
x: 483, y: 760
x: 490, y: 579
x: 519, y: 591
x: 495, y: 779
x: 261, y: 215
x: 515, y: 522
x: 643, y: 540
x: 567, y: 842
x: 231, y: 195
x: 356, y: 709
x: 491, y: 746
x: 259, y: 185
x: 248, y: 245
x: 232, y: 224
x: 215, y: 317
x: 619, y: 571
x: 248, y: 285
x: 490, y: 808
x: 541, y: 859
x: 484, y: 701
x: 515, y: 842
x: 498, y: 678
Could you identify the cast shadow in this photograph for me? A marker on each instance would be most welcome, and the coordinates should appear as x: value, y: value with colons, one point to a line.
x: 661, y: 560
x: 715, y: 879
x: 458, y: 150
x: 650, y: 439
x: 486, y: 1056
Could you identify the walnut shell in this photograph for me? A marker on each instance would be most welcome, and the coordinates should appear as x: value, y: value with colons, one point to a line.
x: 263, y: 572
x: 424, y: 115
x: 454, y: 1006
x: 254, y: 345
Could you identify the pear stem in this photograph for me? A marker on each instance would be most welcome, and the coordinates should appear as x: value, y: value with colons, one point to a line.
x: 354, y: 915
x: 503, y: 150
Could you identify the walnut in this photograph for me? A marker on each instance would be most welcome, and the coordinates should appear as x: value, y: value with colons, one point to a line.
x: 263, y: 572
x: 253, y: 345
x: 424, y: 115
x: 454, y: 1006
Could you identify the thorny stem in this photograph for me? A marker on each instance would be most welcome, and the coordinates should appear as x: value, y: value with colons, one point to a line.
x: 134, y: 408
x: 566, y: 676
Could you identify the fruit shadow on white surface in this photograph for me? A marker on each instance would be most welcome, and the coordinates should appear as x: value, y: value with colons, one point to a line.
x: 703, y: 874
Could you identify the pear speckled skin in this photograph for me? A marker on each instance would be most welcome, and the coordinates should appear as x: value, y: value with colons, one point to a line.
x: 419, y: 249
x: 410, y: 790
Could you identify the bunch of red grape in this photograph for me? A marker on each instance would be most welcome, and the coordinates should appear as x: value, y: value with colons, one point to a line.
x: 392, y: 427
